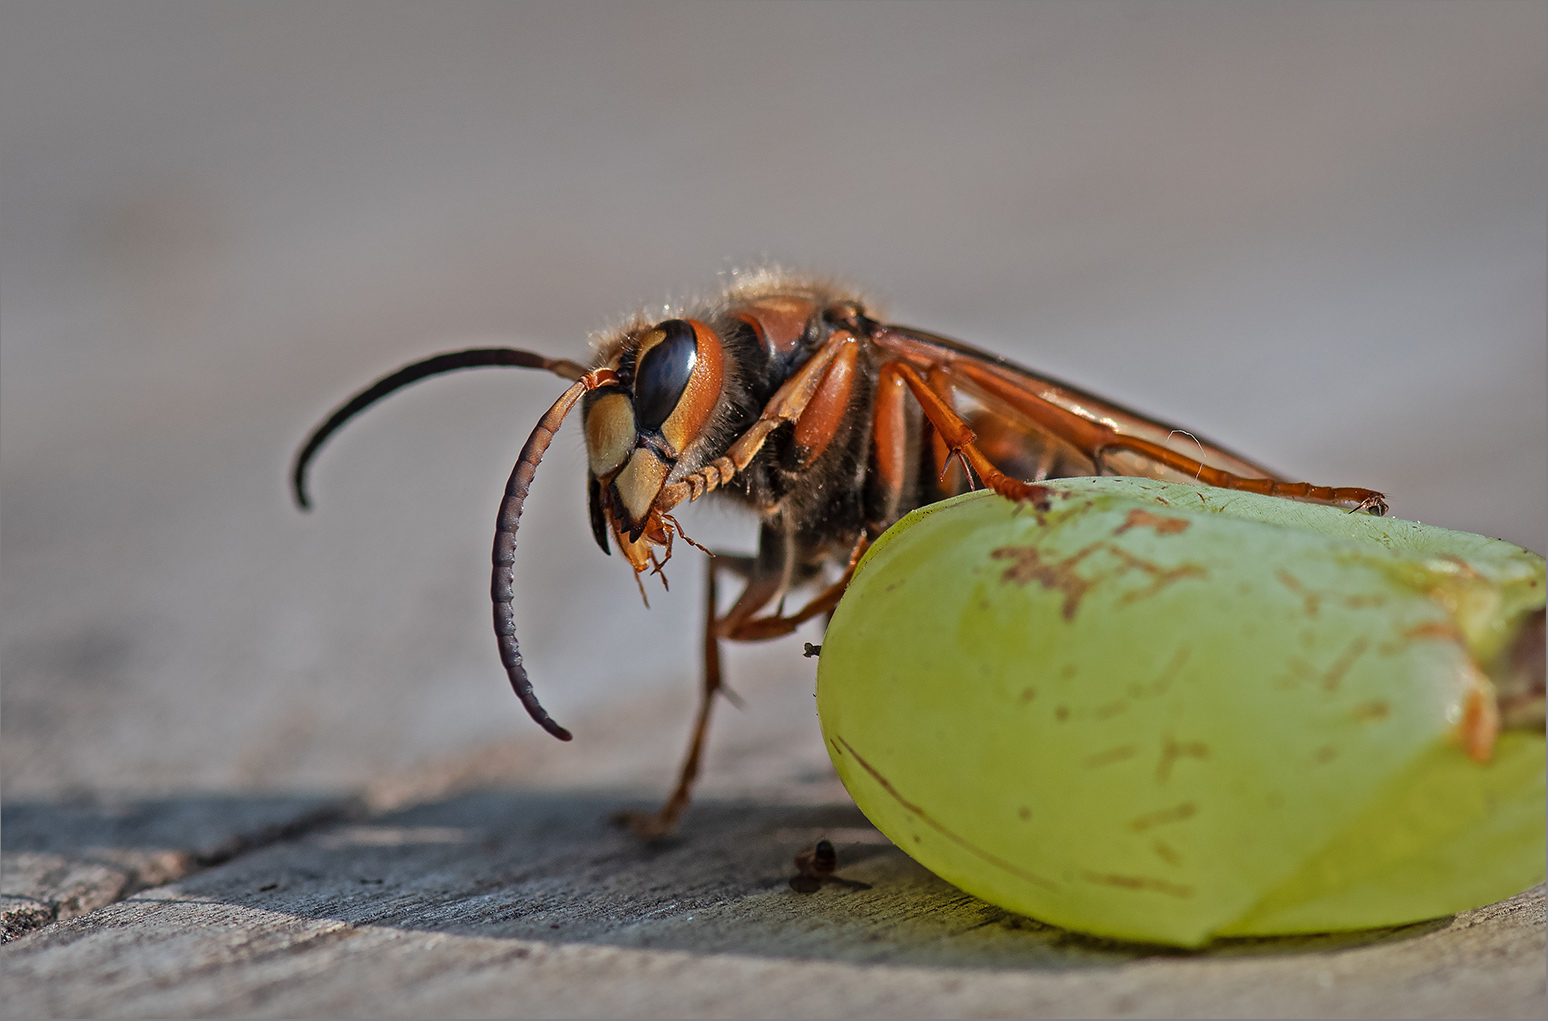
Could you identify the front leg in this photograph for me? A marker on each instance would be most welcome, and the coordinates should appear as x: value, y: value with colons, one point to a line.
x: 760, y: 589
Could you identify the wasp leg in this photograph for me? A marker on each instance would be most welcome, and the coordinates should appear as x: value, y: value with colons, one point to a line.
x: 950, y: 479
x: 760, y: 589
x: 738, y: 625
x: 1095, y: 439
x: 889, y: 456
x: 757, y: 629
x: 959, y: 438
x: 787, y: 404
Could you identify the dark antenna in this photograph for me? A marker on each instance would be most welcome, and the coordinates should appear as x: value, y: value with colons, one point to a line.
x: 515, y: 490
x: 504, y: 555
x: 475, y: 358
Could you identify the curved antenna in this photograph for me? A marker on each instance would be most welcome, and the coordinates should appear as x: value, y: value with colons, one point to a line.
x: 451, y: 361
x: 504, y: 555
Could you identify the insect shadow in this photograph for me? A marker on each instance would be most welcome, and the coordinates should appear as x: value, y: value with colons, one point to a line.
x: 548, y: 868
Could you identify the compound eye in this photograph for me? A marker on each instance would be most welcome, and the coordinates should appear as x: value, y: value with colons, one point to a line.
x: 668, y: 355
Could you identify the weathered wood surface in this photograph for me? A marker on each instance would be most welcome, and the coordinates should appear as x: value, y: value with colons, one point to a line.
x: 499, y: 903
x: 436, y: 894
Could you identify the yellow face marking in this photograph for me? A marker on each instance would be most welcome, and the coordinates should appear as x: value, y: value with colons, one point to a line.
x: 610, y: 433
x: 640, y: 481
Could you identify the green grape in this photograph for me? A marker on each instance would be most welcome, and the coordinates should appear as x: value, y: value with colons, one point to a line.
x: 1167, y: 713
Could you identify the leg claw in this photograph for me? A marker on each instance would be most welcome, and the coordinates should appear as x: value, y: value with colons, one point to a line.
x: 646, y: 826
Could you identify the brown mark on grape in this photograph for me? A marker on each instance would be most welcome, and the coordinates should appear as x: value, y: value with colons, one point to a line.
x: 955, y: 838
x: 1111, y: 709
x: 1439, y: 630
x: 1161, y: 684
x: 1112, y: 755
x: 1178, y: 813
x: 1311, y: 599
x: 1028, y: 566
x: 1024, y: 813
x: 1480, y: 722
x: 1172, y: 750
x: 1027, y: 695
x: 1166, y: 852
x: 1139, y: 518
x: 1372, y: 711
x: 1324, y: 755
x: 1161, y: 577
x: 1061, y: 713
x: 1335, y: 673
x: 1142, y: 883
x: 1298, y: 671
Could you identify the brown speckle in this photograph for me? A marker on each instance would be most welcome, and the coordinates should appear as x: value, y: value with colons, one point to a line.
x: 1340, y: 667
x: 1107, y: 758
x: 1139, y: 518
x: 1178, y: 813
x: 1166, y: 852
x: 1311, y: 600
x: 1160, y: 685
x: 1027, y: 695
x: 1327, y: 753
x: 1029, y: 566
x: 1172, y: 750
x: 1161, y: 576
x: 1024, y: 813
x: 1372, y: 710
x: 1143, y: 883
x: 1061, y: 713
x: 1300, y: 669
x: 1480, y: 723
x: 1436, y: 629
x: 1111, y: 709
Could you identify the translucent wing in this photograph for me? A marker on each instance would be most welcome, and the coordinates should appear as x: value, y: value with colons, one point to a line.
x: 1034, y: 427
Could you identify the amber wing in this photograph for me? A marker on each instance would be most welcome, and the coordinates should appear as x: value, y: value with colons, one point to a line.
x: 1034, y: 426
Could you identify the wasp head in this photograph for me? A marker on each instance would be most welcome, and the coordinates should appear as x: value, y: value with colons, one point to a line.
x: 638, y: 430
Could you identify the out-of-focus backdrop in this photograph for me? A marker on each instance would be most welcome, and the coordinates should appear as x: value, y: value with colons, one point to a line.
x: 1313, y: 232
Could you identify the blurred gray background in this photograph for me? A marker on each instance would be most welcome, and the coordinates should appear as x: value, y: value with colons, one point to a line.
x: 1314, y: 232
